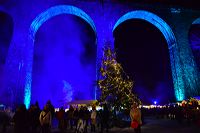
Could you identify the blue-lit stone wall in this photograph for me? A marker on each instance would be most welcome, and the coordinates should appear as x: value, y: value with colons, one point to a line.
x: 190, y: 73
x: 172, y: 45
x: 38, y: 21
x: 174, y: 23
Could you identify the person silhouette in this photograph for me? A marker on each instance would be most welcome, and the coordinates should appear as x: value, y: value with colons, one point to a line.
x: 135, y: 115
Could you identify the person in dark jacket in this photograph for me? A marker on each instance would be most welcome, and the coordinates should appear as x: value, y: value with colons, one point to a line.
x: 60, y: 117
x: 104, y: 116
x: 20, y: 119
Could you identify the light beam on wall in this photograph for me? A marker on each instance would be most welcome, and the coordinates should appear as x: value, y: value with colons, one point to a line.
x: 192, y: 61
x: 177, y: 72
x: 37, y: 22
x: 197, y: 21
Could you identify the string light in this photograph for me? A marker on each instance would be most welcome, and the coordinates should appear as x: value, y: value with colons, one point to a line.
x: 115, y: 84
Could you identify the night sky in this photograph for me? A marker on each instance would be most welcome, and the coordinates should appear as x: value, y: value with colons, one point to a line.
x: 142, y: 50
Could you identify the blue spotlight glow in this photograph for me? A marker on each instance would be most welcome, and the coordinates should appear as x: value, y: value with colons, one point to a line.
x: 155, y: 102
x: 27, y: 95
x: 37, y: 22
x: 177, y: 72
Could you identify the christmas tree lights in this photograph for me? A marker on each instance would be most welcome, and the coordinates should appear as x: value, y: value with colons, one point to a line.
x: 115, y: 85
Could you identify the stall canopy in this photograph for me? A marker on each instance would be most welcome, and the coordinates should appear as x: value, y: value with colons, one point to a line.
x: 82, y: 102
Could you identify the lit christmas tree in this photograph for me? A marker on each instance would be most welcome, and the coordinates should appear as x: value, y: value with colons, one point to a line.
x: 115, y: 85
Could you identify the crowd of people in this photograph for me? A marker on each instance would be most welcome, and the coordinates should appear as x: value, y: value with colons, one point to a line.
x: 188, y: 113
x: 76, y: 119
x: 81, y: 119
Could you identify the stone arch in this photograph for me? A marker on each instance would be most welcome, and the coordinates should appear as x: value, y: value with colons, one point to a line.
x: 171, y: 41
x: 196, y: 21
x: 35, y: 25
x: 195, y: 44
x: 193, y: 40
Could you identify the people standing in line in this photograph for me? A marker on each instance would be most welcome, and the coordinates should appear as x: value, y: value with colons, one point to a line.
x: 45, y: 120
x: 135, y: 115
x: 93, y: 118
